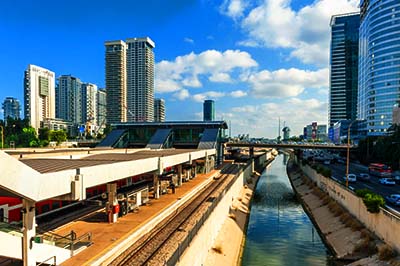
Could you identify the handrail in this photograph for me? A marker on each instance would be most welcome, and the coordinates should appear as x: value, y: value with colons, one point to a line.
x: 44, y: 262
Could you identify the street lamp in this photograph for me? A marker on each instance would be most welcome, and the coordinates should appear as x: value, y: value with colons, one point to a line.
x: 348, y: 153
x: 2, y: 137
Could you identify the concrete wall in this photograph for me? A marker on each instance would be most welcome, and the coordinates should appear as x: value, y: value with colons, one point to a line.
x: 196, y: 253
x: 384, y: 224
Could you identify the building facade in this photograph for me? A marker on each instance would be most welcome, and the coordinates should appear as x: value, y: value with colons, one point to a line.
x: 69, y: 99
x: 115, y: 75
x: 11, y: 108
x: 89, y: 103
x: 39, y: 95
x: 379, y: 64
x: 343, y: 76
x: 140, y: 79
x: 101, y: 107
x: 209, y: 110
x: 159, y: 110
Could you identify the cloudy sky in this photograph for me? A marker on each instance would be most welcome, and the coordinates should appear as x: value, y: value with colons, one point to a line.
x: 260, y: 60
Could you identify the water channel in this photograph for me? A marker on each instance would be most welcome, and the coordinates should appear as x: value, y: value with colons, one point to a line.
x: 279, y: 231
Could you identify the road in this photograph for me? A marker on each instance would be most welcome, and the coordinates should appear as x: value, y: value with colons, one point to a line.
x: 339, y: 171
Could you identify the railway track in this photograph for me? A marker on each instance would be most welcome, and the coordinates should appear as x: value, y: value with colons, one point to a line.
x: 143, y: 250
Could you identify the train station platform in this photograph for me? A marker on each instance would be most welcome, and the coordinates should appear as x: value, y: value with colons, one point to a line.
x: 108, y: 238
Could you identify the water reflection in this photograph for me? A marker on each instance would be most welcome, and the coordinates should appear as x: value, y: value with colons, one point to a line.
x: 279, y: 232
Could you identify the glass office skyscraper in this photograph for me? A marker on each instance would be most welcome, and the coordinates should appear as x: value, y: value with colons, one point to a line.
x: 343, y: 77
x: 379, y: 63
x: 208, y: 110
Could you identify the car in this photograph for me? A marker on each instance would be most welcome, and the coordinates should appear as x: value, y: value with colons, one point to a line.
x: 351, y: 177
x: 394, y: 199
x: 397, y: 178
x: 387, y: 181
x: 364, y: 177
x: 327, y: 162
x: 340, y: 161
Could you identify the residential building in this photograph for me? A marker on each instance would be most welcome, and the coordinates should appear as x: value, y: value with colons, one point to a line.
x: 39, y: 95
x: 101, y: 107
x: 379, y: 64
x: 208, y: 110
x: 343, y: 76
x: 159, y: 110
x: 11, y: 108
x: 89, y: 103
x: 115, y: 75
x: 140, y: 79
x: 69, y: 99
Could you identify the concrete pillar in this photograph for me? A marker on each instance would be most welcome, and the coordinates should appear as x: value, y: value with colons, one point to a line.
x: 29, y: 232
x: 251, y: 152
x: 179, y: 175
x: 111, y: 208
x: 156, y: 184
x: 252, y: 165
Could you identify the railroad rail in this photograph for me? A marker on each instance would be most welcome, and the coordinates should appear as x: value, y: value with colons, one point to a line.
x: 143, y: 250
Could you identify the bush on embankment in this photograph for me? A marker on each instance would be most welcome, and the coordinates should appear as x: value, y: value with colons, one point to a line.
x: 372, y: 201
x: 327, y: 172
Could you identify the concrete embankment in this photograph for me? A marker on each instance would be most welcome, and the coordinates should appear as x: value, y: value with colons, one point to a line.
x: 219, y: 241
x: 347, y: 237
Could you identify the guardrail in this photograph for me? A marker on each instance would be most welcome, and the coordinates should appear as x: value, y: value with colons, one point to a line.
x: 69, y: 241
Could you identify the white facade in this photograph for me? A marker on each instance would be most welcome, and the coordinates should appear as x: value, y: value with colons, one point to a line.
x: 39, y: 95
x: 89, y: 103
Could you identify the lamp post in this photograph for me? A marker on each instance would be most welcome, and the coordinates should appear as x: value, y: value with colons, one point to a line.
x: 2, y: 137
x: 348, y: 153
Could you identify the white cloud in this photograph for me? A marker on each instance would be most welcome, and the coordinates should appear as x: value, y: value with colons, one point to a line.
x: 182, y: 94
x: 275, y: 24
x: 220, y: 77
x: 233, y: 8
x: 238, y: 94
x: 286, y: 82
x: 188, y: 40
x: 187, y: 70
x: 262, y: 120
x: 200, y: 97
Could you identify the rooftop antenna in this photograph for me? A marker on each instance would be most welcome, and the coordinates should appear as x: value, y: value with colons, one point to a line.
x: 230, y: 128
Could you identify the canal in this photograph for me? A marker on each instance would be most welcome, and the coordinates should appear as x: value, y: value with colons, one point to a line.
x: 279, y: 231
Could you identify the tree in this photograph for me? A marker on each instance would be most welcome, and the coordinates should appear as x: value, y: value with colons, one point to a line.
x: 58, y: 136
x: 28, y: 138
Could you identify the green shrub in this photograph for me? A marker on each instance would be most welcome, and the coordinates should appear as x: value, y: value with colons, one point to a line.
x: 371, y: 200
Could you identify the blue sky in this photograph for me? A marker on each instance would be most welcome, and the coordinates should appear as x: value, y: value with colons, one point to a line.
x: 259, y: 60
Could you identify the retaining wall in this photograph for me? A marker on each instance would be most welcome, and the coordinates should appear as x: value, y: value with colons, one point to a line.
x: 384, y: 224
x: 196, y: 253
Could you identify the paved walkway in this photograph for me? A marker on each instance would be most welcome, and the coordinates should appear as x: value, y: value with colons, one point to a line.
x: 105, y: 235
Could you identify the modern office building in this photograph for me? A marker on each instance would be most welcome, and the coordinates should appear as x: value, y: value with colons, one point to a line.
x: 101, y: 107
x: 89, y: 103
x: 208, y: 110
x: 140, y: 79
x: 343, y: 77
x: 11, y: 108
x: 159, y: 110
x: 379, y: 63
x: 315, y: 132
x: 69, y: 99
x: 115, y: 74
x: 39, y: 95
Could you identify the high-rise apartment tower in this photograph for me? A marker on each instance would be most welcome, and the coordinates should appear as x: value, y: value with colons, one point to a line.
x: 39, y: 95
x: 69, y: 99
x: 115, y: 73
x: 11, y: 108
x: 159, y: 110
x: 140, y: 79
